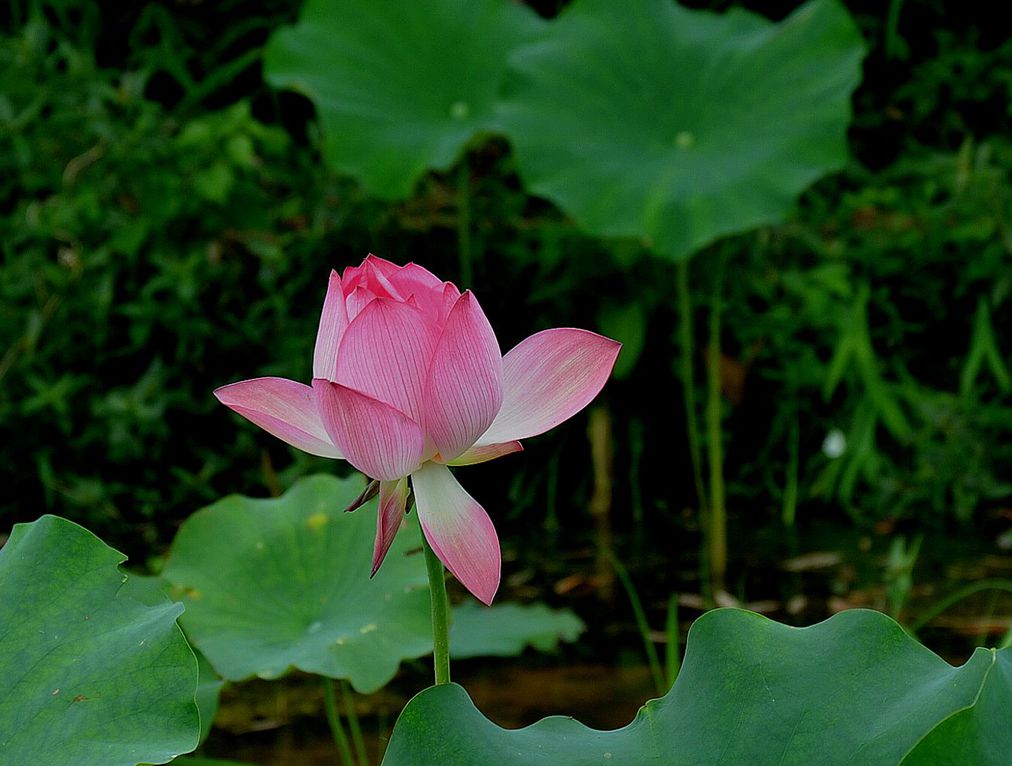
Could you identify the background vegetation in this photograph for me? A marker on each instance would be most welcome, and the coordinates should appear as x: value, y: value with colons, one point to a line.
x: 167, y: 227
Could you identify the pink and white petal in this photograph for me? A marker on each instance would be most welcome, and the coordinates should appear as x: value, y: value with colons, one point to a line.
x: 284, y: 408
x: 458, y: 529
x: 356, y: 300
x: 386, y: 352
x: 450, y: 297
x: 485, y: 453
x: 412, y: 278
x: 548, y: 378
x: 351, y: 277
x: 426, y: 289
x: 464, y: 389
x: 393, y: 496
x: 381, y: 265
x: 333, y: 323
x: 377, y: 279
x: 364, y: 275
x: 379, y: 440
x: 354, y: 275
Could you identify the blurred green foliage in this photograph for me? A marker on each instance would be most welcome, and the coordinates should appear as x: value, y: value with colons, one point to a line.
x: 145, y: 259
x: 885, y: 302
x: 166, y: 227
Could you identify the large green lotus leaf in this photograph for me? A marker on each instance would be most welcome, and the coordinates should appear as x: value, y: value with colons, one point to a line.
x: 209, y: 685
x: 274, y: 584
x: 505, y: 630
x: 980, y: 735
x: 644, y: 119
x: 154, y: 591
x: 88, y: 675
x: 854, y: 689
x: 400, y: 86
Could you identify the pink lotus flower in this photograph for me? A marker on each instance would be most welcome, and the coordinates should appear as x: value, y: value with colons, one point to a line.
x: 407, y: 380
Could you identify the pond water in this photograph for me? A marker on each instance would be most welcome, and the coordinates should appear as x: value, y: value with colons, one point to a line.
x: 282, y: 723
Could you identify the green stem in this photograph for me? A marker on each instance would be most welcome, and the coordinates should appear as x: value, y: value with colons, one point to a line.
x: 717, y: 531
x: 334, y: 719
x: 790, y: 506
x: 959, y: 595
x: 892, y: 28
x: 988, y: 615
x: 356, y: 730
x: 464, y: 222
x: 552, y: 498
x: 688, y: 371
x: 641, y: 619
x: 635, y: 491
x: 672, y: 656
x: 383, y: 733
x: 440, y: 614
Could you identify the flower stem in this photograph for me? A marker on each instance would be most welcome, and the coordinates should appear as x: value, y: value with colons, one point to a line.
x: 334, y: 719
x: 688, y: 374
x: 356, y: 730
x: 672, y: 658
x: 464, y: 223
x: 717, y: 512
x: 641, y: 619
x: 687, y: 349
x: 440, y: 614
